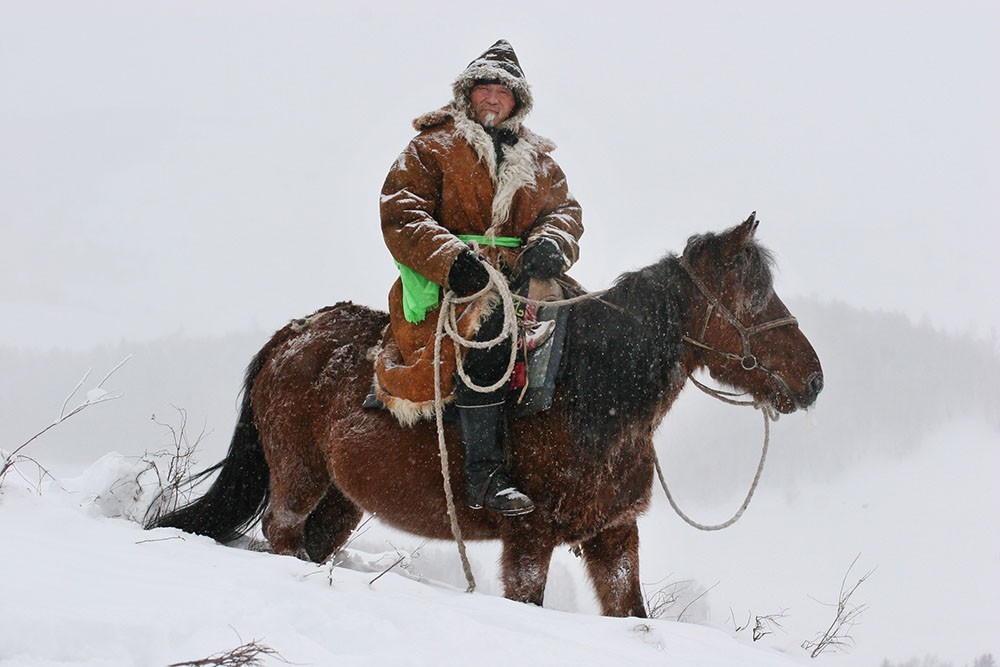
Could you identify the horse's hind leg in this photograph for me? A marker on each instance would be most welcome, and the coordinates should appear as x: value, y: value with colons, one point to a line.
x: 296, y: 489
x: 612, y: 558
x: 330, y: 524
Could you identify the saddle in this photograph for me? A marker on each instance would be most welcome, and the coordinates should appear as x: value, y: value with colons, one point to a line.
x: 541, y: 340
x: 543, y: 337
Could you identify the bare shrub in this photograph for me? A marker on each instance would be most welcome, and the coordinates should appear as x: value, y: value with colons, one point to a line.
x: 847, y: 614
x: 339, y: 555
x: 763, y: 625
x: 251, y: 653
x: 661, y: 602
x: 405, y: 561
x: 96, y: 395
x: 174, y: 479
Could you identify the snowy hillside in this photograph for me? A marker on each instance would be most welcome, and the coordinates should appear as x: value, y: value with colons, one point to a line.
x: 83, y: 589
x: 895, y: 468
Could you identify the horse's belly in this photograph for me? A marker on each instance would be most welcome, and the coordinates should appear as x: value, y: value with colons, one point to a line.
x: 395, y: 473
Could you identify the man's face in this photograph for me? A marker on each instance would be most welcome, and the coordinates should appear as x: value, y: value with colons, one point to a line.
x: 492, y: 103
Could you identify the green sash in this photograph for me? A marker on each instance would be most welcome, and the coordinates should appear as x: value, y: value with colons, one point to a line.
x: 421, y: 295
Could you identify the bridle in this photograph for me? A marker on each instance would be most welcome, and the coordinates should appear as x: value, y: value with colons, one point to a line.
x: 748, y: 360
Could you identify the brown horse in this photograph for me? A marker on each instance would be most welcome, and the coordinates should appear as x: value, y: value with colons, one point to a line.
x: 307, y: 456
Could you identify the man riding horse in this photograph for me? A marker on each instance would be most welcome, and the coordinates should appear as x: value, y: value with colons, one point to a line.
x: 473, y: 186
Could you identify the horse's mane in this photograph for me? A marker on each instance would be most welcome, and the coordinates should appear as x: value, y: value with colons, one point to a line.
x: 624, y: 349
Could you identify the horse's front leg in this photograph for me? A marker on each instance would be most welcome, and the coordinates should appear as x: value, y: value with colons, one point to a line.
x: 525, y: 563
x: 612, y: 558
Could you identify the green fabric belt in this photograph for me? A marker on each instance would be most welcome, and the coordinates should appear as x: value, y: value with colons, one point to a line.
x: 502, y: 241
x: 421, y: 295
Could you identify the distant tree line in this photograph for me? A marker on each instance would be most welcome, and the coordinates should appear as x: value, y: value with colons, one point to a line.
x: 985, y: 660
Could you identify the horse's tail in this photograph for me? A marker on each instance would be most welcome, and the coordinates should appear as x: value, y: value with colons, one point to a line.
x: 238, y: 496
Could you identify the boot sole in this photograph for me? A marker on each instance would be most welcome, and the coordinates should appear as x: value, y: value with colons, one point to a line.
x: 514, y: 512
x: 520, y: 512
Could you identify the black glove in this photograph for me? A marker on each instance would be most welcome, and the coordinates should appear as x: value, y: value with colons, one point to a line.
x: 542, y: 259
x: 467, y: 274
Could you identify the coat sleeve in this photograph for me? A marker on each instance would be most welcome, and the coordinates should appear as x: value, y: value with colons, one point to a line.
x: 409, y: 201
x: 561, y: 218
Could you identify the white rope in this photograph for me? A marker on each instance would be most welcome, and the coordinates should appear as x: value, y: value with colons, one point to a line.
x: 447, y: 325
x: 769, y: 414
x: 456, y: 531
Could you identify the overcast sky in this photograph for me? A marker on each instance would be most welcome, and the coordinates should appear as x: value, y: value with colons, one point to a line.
x: 209, y: 167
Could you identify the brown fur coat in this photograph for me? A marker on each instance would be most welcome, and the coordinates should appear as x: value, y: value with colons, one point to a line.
x: 447, y: 182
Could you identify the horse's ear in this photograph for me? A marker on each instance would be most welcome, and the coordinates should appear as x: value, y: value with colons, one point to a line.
x: 741, y: 235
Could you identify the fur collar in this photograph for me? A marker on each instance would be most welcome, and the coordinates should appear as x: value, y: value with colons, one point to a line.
x: 518, y: 168
x: 437, y: 117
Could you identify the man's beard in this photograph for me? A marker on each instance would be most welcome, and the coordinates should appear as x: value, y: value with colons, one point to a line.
x: 489, y: 119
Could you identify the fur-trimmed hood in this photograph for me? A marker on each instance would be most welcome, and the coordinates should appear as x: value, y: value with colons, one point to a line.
x: 498, y: 63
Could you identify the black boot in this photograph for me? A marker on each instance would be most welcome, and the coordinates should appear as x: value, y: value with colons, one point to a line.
x: 487, y: 483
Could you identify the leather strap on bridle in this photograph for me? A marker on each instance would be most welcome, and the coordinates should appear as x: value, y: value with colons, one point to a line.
x: 748, y: 361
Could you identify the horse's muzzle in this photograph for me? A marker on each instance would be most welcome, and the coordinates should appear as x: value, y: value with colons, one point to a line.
x: 814, y: 385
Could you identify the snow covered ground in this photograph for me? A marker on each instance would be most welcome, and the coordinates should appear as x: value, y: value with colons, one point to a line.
x: 82, y: 588
x: 899, y: 475
x: 83, y: 585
